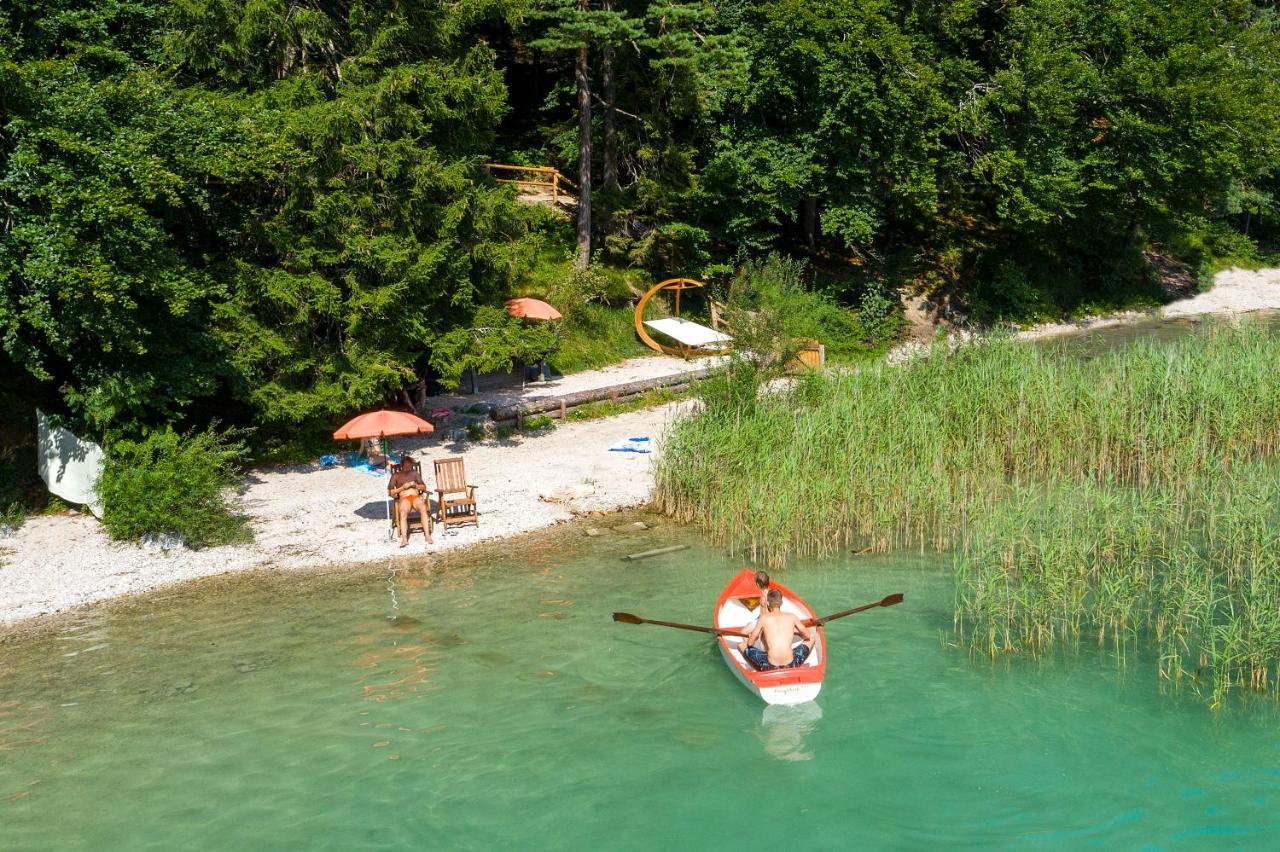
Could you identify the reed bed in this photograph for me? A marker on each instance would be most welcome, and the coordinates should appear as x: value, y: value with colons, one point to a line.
x: 1101, y: 496
x: 1197, y: 568
x: 909, y: 455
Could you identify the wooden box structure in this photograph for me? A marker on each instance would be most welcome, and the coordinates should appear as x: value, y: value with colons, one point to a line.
x: 812, y: 355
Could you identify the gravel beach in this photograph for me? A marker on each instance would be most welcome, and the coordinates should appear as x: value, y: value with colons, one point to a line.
x: 306, y: 516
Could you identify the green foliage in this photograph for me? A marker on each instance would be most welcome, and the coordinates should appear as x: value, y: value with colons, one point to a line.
x: 771, y: 312
x: 277, y: 213
x: 778, y: 285
x: 597, y: 336
x: 270, y: 212
x: 599, y: 322
x: 1211, y: 246
x: 1021, y: 155
x: 491, y: 342
x: 55, y: 506
x: 105, y: 293
x: 12, y: 518
x: 172, y: 484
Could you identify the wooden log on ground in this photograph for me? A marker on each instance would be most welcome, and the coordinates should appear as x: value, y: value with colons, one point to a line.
x: 656, y: 552
x: 614, y: 392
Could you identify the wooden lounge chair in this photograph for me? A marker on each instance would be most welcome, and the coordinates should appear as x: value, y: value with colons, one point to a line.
x: 456, y: 500
x: 424, y: 521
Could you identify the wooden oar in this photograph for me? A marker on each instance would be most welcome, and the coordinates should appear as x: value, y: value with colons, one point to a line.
x: 888, y: 601
x: 628, y: 618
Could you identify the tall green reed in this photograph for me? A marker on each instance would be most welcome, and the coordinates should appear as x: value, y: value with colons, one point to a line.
x: 898, y: 456
x: 1197, y: 568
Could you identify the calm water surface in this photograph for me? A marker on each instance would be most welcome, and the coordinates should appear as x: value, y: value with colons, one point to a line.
x: 503, y: 708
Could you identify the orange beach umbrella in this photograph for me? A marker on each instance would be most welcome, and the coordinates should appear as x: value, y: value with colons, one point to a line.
x: 380, y: 424
x: 532, y: 309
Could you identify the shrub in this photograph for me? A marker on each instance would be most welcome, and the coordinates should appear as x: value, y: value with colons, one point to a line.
x: 171, y: 484
x: 11, y: 518
x: 777, y: 285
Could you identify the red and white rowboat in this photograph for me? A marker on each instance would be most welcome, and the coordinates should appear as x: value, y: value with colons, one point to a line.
x: 737, y: 609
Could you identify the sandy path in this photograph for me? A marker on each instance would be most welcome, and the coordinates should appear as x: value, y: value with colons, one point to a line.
x: 306, y: 516
x: 503, y: 389
x: 1234, y: 291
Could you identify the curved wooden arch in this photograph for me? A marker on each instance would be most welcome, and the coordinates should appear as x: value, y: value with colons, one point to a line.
x: 678, y: 285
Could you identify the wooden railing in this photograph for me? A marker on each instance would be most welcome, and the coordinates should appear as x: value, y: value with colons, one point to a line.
x: 536, y: 179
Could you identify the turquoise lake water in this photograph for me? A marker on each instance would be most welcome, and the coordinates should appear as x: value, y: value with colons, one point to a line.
x: 503, y: 708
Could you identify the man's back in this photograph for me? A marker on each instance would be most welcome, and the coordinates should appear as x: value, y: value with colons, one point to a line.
x: 777, y: 628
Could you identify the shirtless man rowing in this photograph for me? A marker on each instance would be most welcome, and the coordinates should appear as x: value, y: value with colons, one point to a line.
x: 777, y: 627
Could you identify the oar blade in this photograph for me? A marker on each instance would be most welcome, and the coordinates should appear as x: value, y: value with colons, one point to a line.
x: 895, y: 598
x: 627, y: 618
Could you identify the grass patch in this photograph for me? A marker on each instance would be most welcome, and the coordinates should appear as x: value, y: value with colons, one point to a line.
x: 537, y: 423
x: 639, y: 402
x: 599, y: 318
x: 12, y: 517
x: 904, y: 455
x: 596, y: 337
x: 54, y: 506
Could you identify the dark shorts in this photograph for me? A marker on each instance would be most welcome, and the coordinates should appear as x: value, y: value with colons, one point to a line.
x: 758, y: 658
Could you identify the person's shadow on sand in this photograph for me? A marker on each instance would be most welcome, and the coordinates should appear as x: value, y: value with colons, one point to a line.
x: 377, y: 510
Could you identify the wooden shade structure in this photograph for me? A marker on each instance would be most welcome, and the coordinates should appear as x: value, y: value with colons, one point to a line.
x: 716, y: 342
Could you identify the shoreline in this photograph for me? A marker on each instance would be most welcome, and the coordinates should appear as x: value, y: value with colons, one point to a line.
x: 307, y: 518
x: 1235, y: 292
x: 616, y: 524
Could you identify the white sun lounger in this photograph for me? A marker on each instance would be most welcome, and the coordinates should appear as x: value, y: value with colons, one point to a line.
x: 688, y: 333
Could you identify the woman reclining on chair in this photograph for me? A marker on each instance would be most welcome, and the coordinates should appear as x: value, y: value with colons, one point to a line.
x: 410, y: 493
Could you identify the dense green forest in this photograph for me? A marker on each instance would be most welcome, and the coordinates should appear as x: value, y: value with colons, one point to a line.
x: 274, y: 212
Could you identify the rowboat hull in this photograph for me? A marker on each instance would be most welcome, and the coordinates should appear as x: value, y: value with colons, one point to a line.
x: 734, y: 611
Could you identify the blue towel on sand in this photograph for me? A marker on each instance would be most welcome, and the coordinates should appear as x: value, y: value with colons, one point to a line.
x: 632, y: 445
x: 362, y: 465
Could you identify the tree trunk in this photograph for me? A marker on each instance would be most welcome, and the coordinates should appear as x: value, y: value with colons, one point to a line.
x: 610, y: 176
x: 810, y: 220
x: 581, y: 73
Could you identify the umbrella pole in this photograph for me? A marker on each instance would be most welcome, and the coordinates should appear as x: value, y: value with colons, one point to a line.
x: 386, y: 451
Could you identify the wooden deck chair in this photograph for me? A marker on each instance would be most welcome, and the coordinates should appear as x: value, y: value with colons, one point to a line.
x: 456, y: 500
x: 424, y: 521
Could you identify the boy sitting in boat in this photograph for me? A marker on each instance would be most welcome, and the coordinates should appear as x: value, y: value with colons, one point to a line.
x: 776, y: 628
x: 762, y: 583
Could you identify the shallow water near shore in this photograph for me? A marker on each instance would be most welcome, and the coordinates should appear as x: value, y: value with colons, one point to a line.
x: 491, y: 702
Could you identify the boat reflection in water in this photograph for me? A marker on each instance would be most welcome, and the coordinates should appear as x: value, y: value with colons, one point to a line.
x: 785, y: 727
